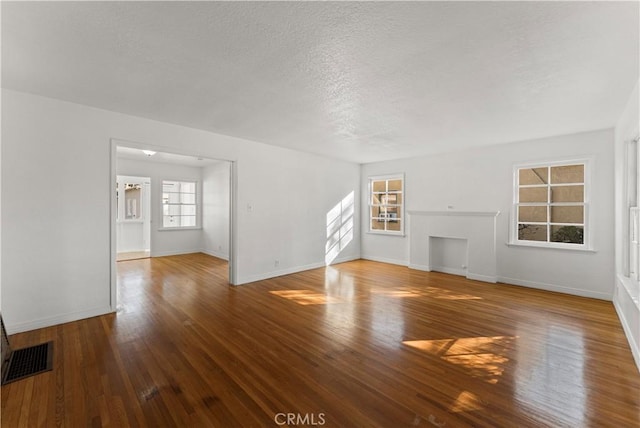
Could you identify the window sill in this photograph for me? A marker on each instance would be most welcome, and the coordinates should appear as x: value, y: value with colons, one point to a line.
x: 172, y: 229
x: 632, y: 288
x: 398, y: 234
x: 551, y: 247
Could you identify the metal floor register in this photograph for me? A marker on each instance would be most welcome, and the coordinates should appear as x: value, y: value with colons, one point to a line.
x: 21, y: 363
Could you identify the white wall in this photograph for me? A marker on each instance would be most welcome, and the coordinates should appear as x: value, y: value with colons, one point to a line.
x: 626, y: 298
x: 215, y: 209
x: 56, y: 246
x: 165, y: 242
x: 482, y: 180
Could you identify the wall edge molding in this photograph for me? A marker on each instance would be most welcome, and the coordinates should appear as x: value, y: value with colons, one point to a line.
x: 216, y: 254
x: 555, y: 288
x: 385, y: 260
x: 58, y: 319
x: 635, y: 347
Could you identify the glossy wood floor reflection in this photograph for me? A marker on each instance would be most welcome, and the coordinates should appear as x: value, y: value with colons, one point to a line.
x: 354, y: 345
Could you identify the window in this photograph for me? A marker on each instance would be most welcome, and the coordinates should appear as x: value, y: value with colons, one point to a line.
x: 386, y: 204
x: 179, y: 204
x: 550, y: 206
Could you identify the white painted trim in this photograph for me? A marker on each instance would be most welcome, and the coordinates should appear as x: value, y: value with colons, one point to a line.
x: 296, y: 269
x: 178, y: 228
x: 450, y: 271
x: 588, y: 223
x: 457, y: 213
x: 477, y: 228
x: 233, y: 228
x: 483, y: 278
x: 58, y: 319
x: 387, y: 177
x: 458, y: 272
x: 339, y: 260
x: 216, y: 254
x: 385, y: 260
x: 424, y: 268
x: 628, y: 284
x: 113, y: 203
x: 635, y: 347
x: 389, y: 233
x: 276, y: 273
x: 558, y: 246
x: 403, y: 217
x: 234, y: 254
x: 556, y: 288
x: 174, y: 253
x: 198, y: 184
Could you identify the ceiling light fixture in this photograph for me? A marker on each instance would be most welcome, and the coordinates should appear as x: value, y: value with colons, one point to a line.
x: 149, y: 152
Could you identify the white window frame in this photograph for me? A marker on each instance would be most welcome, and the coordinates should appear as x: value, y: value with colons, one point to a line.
x: 387, y: 177
x: 198, y: 204
x: 630, y: 275
x: 587, y: 244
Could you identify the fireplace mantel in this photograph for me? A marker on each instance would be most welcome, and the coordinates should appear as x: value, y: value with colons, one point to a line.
x: 478, y: 228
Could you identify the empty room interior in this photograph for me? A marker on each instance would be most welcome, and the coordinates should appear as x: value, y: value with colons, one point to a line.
x: 341, y: 214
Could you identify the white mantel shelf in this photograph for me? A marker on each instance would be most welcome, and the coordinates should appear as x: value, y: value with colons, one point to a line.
x: 457, y: 213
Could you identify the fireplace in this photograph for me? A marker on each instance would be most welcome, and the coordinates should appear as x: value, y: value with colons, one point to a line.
x: 476, y: 228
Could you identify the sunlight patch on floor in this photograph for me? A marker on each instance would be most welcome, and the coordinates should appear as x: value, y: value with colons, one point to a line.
x: 466, y: 402
x: 434, y: 292
x: 483, y: 357
x: 306, y: 297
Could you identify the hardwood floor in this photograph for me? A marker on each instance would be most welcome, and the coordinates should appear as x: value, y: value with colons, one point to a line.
x: 133, y: 255
x: 353, y: 345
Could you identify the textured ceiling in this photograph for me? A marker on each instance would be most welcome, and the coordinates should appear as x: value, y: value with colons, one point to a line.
x: 361, y: 81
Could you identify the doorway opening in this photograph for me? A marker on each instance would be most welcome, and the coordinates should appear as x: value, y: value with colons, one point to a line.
x: 186, y: 200
x: 133, y: 217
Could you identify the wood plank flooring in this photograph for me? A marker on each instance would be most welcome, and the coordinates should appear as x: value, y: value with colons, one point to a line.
x: 133, y: 255
x: 353, y: 345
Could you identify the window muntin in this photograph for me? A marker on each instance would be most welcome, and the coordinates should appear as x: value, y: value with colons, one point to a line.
x: 179, y: 204
x: 386, y: 204
x: 551, y: 205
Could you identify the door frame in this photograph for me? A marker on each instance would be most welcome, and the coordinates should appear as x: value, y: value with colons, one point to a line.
x: 233, y: 198
x: 145, y: 182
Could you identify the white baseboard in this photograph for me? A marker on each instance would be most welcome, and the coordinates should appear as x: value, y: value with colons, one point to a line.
x: 58, y: 319
x: 174, y: 253
x: 344, y: 259
x: 450, y: 271
x: 217, y: 254
x: 556, y: 288
x: 453, y: 271
x: 627, y: 305
x: 635, y: 347
x: 295, y: 269
x: 385, y: 260
x: 276, y: 273
x: 483, y: 278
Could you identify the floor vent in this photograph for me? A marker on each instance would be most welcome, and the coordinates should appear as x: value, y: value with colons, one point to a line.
x: 29, y: 361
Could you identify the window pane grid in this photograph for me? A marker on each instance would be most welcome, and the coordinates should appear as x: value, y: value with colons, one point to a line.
x: 386, y: 204
x: 550, y: 204
x: 179, y: 204
x: 577, y: 183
